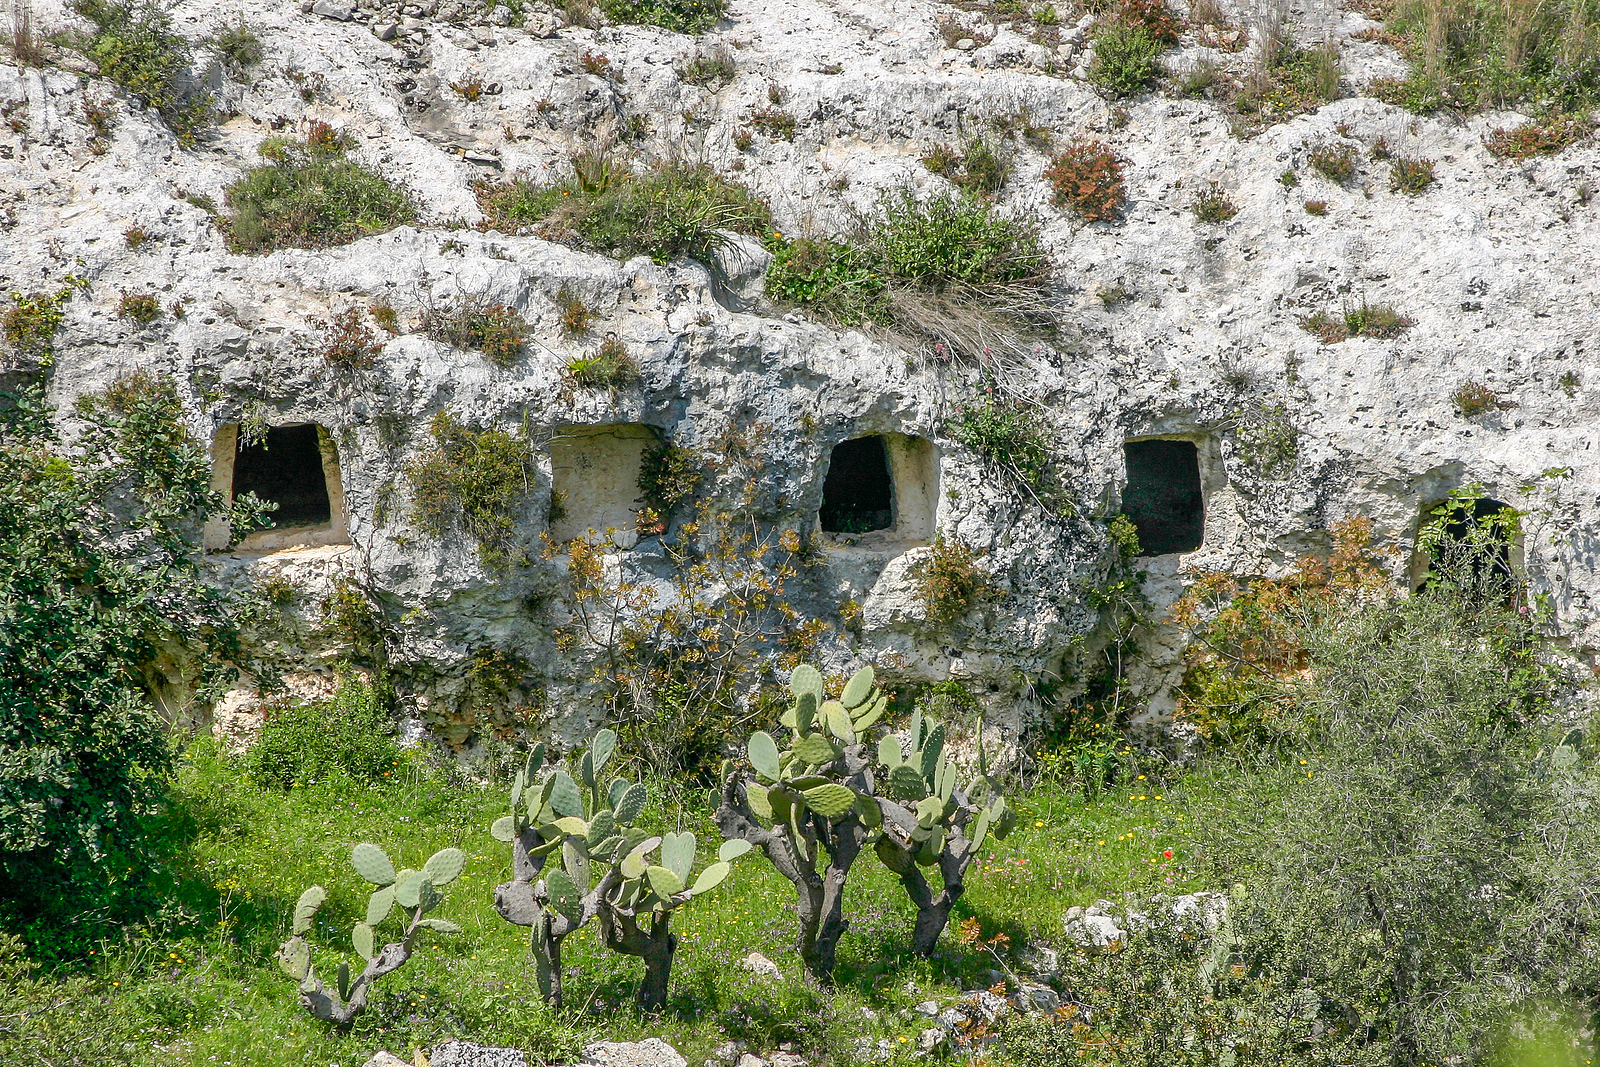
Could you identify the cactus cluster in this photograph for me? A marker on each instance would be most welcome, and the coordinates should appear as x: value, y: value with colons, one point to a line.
x: 409, y: 893
x: 823, y: 797
x: 577, y: 855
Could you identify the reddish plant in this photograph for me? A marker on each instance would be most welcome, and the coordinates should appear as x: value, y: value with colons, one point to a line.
x: 1087, y: 176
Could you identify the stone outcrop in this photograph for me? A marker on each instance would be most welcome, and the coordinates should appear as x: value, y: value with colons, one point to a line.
x: 1169, y: 327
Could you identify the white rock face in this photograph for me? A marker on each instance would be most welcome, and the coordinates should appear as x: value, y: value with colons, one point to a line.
x: 1170, y: 327
x: 651, y: 1052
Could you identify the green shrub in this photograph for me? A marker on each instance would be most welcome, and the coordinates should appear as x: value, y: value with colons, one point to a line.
x: 575, y: 315
x: 671, y: 210
x: 1212, y: 205
x: 30, y: 323
x: 1335, y: 162
x: 1533, y: 138
x: 477, y: 478
x: 142, y: 308
x: 345, y: 738
x: 709, y: 67
x: 949, y: 582
x: 1087, y: 176
x: 238, y: 47
x: 669, y: 477
x: 954, y: 239
x: 680, y: 16
x: 1474, y: 398
x: 1411, y: 176
x: 308, y: 195
x: 97, y: 565
x: 498, y: 331
x: 135, y: 46
x: 774, y: 122
x: 1163, y: 24
x: 1376, y: 320
x: 607, y: 367
x: 839, y: 282
x: 347, y: 342
x: 1125, y: 59
x: 982, y: 169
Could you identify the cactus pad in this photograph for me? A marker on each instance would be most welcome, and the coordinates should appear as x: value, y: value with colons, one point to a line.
x: 372, y: 864
x: 816, y: 750
x: 764, y: 755
x: 806, y: 679
x: 379, y: 904
x: 858, y: 688
x: 444, y: 866
x: 305, y: 909
x: 830, y: 801
x: 600, y: 749
x: 294, y: 956
x: 631, y: 804
x: 907, y: 783
x: 664, y: 883
x: 710, y: 878
x: 564, y: 895
x: 838, y: 722
x: 564, y: 795
x: 732, y: 849
x: 677, y: 854
x: 361, y: 938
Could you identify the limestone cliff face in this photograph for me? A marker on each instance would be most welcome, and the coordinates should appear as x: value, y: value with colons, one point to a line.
x: 1170, y: 327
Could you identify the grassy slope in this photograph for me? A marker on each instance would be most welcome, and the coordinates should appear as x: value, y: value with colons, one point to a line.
x: 205, y: 989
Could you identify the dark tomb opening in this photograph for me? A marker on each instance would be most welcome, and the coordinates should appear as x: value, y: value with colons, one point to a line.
x: 285, y: 467
x: 856, y: 496
x: 1163, y: 497
x: 1473, y: 549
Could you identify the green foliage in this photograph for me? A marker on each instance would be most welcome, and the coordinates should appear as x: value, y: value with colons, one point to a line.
x: 709, y: 67
x: 669, y: 477
x: 1125, y: 59
x: 1411, y: 176
x: 477, y: 478
x: 981, y: 169
x: 1336, y: 162
x: 347, y: 342
x: 496, y: 330
x: 1472, y: 57
x: 1473, y: 398
x: 672, y: 210
x: 98, y: 563
x: 575, y: 315
x: 839, y: 282
x: 1212, y: 205
x: 679, y: 16
x: 1009, y: 436
x: 774, y: 122
x: 239, y: 47
x: 608, y: 868
x: 407, y: 894
x: 344, y: 738
x: 1364, y: 320
x: 1535, y: 138
x: 142, y: 308
x: 947, y: 240
x: 609, y: 366
x: 308, y: 195
x: 30, y: 323
x: 1267, y: 439
x: 949, y: 582
x: 136, y: 47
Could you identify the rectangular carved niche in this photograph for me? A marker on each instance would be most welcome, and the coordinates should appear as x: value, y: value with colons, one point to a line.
x: 295, y: 467
x: 881, y: 489
x: 1163, y: 496
x: 594, y: 477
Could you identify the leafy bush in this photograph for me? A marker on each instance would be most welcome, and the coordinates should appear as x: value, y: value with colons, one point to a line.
x: 669, y: 477
x: 30, y: 323
x: 1087, y: 176
x: 607, y: 367
x: 672, y: 210
x: 1125, y: 59
x: 135, y: 46
x: 498, y: 331
x: 680, y: 16
x: 347, y: 343
x: 949, y: 239
x: 238, y: 47
x: 308, y: 195
x: 477, y: 478
x: 838, y: 281
x: 575, y: 315
x: 345, y: 738
x: 1007, y: 435
x: 709, y: 67
x: 83, y: 754
x: 949, y: 582
x: 1365, y: 320
x: 1212, y: 205
x: 1163, y: 24
x: 1336, y: 162
x: 1474, y: 398
x: 1411, y: 176
x: 774, y: 122
x: 142, y: 308
x: 981, y: 169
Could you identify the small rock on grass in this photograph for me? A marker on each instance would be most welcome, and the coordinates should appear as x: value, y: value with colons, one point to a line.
x: 651, y: 1052
x: 385, y: 1059
x: 468, y: 1054
x: 756, y: 963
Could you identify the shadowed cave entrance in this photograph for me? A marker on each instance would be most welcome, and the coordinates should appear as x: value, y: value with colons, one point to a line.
x: 1163, y: 497
x: 285, y: 467
x: 858, y: 495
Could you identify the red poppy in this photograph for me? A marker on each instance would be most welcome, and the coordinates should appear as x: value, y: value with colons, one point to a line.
x: 1168, y: 853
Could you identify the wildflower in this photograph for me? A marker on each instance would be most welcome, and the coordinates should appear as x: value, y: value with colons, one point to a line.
x: 1167, y: 853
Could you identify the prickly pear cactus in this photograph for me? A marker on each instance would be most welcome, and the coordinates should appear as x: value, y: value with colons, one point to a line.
x: 577, y: 855
x: 409, y: 894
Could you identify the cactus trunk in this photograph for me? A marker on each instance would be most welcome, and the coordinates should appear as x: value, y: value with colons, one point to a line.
x: 655, y: 945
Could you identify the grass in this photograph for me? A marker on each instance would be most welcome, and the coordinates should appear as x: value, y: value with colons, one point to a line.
x: 680, y: 16
x: 308, y: 195
x: 199, y: 987
x: 670, y: 210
